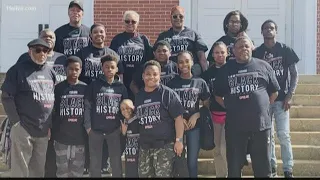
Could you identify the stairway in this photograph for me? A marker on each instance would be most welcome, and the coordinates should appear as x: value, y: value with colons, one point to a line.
x: 305, y: 133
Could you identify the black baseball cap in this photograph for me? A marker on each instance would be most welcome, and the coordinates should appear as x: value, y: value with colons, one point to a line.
x: 38, y: 42
x: 76, y: 3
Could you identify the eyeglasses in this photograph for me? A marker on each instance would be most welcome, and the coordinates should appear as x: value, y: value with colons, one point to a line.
x: 39, y: 50
x: 130, y: 21
x: 176, y: 16
x: 234, y: 22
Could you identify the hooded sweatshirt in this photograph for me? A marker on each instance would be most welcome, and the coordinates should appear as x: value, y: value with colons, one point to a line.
x: 28, y: 96
x: 102, y: 104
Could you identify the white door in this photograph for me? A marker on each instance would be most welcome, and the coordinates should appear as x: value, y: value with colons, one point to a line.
x: 19, y: 25
x: 208, y: 16
x: 258, y: 11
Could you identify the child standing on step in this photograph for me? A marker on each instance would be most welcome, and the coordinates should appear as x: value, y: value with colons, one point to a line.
x: 130, y: 129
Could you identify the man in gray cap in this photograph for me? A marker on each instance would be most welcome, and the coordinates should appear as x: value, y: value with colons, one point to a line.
x: 28, y: 98
x: 72, y: 36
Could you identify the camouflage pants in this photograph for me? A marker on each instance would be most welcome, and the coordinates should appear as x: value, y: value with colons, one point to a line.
x: 156, y: 162
x: 70, y: 160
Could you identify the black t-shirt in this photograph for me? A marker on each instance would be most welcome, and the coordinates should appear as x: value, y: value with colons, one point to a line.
x: 280, y: 57
x: 105, y: 102
x: 187, y: 39
x: 156, y: 111
x: 132, y: 149
x: 134, y: 50
x: 57, y: 62
x: 229, y: 41
x: 245, y: 90
x: 210, y: 76
x: 69, y: 113
x: 168, y: 72
x: 190, y: 91
x: 69, y: 39
x: 32, y: 86
x: 91, y: 62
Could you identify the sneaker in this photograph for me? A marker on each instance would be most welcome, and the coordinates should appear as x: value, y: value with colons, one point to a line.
x: 104, y: 171
x: 86, y: 171
x: 288, y: 174
x: 248, y: 158
x: 274, y: 172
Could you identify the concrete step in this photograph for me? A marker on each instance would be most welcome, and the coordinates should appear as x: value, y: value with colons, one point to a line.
x: 301, y: 168
x: 309, y: 79
x: 300, y: 152
x: 305, y: 112
x: 304, y: 138
x: 312, y: 89
x: 305, y: 124
x: 306, y: 100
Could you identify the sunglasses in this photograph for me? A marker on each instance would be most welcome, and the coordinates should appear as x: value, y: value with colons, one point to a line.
x: 176, y: 16
x: 39, y: 50
x: 130, y: 22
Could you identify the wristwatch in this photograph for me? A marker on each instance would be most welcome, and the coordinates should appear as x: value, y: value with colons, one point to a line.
x: 179, y: 140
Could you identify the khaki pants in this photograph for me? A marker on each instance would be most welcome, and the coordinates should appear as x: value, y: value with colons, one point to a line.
x: 28, y: 154
x: 220, y: 159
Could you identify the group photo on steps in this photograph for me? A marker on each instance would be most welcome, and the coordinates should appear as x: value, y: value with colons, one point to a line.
x: 78, y: 108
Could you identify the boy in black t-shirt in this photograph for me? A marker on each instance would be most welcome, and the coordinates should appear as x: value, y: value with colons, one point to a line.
x: 284, y: 61
x: 130, y: 129
x: 69, y: 132
x: 159, y: 111
x: 102, y: 121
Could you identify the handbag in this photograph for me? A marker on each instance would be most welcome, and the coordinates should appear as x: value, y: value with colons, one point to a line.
x: 218, y: 117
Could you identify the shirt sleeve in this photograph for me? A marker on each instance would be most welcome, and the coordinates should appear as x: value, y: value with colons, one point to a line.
x: 291, y: 56
x: 221, y: 83
x: 88, y: 106
x: 137, y: 77
x: 125, y: 92
x: 205, y: 92
x: 147, y: 48
x: 200, y: 44
x: 273, y: 85
x: 10, y: 84
x: 175, y: 107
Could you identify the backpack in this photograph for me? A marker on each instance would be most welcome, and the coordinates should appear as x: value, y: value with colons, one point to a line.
x: 206, y: 129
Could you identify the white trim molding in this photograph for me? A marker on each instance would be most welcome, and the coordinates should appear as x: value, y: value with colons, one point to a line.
x: 305, y: 35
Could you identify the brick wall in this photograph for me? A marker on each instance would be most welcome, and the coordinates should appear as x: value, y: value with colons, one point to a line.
x: 318, y: 36
x: 154, y: 15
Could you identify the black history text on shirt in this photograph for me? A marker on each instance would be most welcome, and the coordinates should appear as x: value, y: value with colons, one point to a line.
x: 149, y: 114
x: 132, y: 147
x: 131, y: 54
x: 243, y: 84
x: 72, y: 106
x: 107, y: 103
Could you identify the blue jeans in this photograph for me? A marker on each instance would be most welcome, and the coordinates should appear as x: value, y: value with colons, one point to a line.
x: 281, y: 118
x: 193, y: 147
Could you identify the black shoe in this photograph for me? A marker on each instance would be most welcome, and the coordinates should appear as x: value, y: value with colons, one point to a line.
x: 288, y: 174
x: 104, y: 171
x: 86, y: 171
x: 274, y: 172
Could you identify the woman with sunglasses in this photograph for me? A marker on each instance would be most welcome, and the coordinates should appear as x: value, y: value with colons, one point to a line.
x: 133, y: 48
x: 235, y: 24
x: 182, y: 38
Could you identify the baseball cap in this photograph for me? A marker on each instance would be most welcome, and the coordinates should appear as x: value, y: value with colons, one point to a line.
x: 38, y: 42
x: 76, y: 3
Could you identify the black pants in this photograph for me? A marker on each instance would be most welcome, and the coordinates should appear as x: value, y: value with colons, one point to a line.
x: 105, y: 155
x: 50, y: 166
x: 95, y: 147
x: 237, y: 143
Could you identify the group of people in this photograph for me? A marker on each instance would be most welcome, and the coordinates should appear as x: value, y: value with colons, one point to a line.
x: 73, y: 102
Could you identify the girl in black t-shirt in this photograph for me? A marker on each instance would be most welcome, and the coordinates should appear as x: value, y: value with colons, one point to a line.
x: 191, y: 90
x: 130, y: 129
x: 218, y: 112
